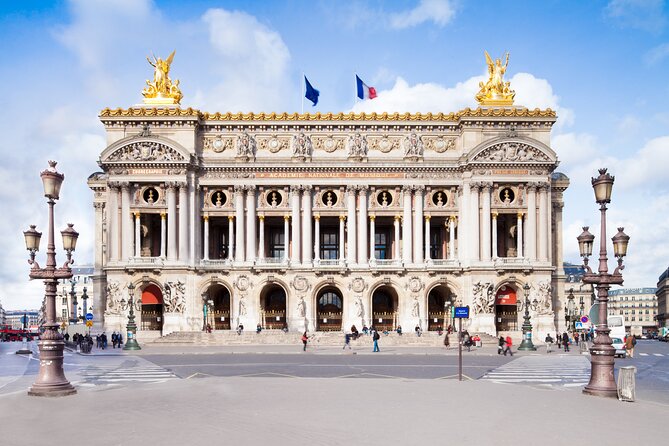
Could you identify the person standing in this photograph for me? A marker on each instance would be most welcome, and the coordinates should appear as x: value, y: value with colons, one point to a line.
x: 630, y: 342
x: 376, y: 337
x: 565, y: 341
x: 549, y: 343
x: 447, y: 342
x: 305, y: 339
x: 347, y: 341
x: 500, y: 345
x: 508, y: 343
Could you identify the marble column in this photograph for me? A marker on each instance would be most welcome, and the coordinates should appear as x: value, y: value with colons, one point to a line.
x: 239, y: 224
x: 251, y: 239
x: 307, y: 245
x: 99, y: 236
x: 397, y: 238
x: 163, y: 235
x: 418, y: 225
x: 261, y: 241
x: 427, y: 238
x: 317, y: 238
x: 296, y: 257
x: 342, y: 233
x: 406, y: 226
x: 138, y: 235
x: 350, y: 221
x: 543, y: 222
x: 463, y: 222
x: 451, y: 237
x: 112, y: 224
x: 205, y: 242
x: 126, y: 223
x: 531, y: 241
x: 171, y: 222
x: 485, y: 230
x: 557, y: 258
x: 494, y: 235
x: 183, y: 223
x: 372, y: 237
x: 286, y: 237
x: 362, y: 225
x: 475, y: 228
x: 231, y: 237
x: 519, y: 235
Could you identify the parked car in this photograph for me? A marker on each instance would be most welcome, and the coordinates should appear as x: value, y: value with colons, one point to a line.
x: 619, y: 345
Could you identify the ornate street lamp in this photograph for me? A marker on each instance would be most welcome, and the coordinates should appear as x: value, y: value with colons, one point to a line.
x: 84, y: 298
x: 602, y: 382
x: 51, y: 380
x: 131, y: 341
x: 73, y: 308
x: 570, y: 310
x: 526, y: 344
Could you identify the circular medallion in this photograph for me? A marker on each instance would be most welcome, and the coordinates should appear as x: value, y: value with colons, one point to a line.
x: 243, y: 283
x: 218, y: 145
x: 330, y: 145
x: 274, y: 145
x: 385, y: 145
x: 440, y: 145
x: 358, y: 285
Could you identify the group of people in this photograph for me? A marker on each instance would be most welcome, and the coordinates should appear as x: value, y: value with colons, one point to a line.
x: 504, y: 345
x: 563, y: 340
x: 117, y: 339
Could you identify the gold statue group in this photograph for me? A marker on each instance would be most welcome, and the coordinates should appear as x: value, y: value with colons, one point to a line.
x: 162, y: 91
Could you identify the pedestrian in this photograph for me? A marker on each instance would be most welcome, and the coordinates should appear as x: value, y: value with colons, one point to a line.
x: 500, y: 345
x: 565, y: 341
x: 576, y: 337
x: 67, y: 337
x: 305, y: 339
x: 98, y: 341
x: 347, y: 341
x: 418, y: 331
x: 365, y: 330
x: 399, y: 330
x: 549, y: 343
x: 630, y: 342
x: 508, y: 343
x: 376, y: 337
x: 447, y: 342
x: 103, y: 340
x: 113, y: 338
x: 467, y: 340
x: 258, y: 328
x: 119, y: 339
x: 354, y: 332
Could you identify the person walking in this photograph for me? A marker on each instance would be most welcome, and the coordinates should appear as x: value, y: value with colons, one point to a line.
x: 305, y: 339
x: 375, y: 338
x: 500, y: 345
x: 347, y: 341
x: 565, y: 341
x: 630, y: 342
x: 508, y: 343
x: 549, y: 343
x: 113, y: 338
x: 447, y: 342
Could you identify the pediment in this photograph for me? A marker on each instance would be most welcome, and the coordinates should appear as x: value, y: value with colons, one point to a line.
x: 145, y: 149
x: 514, y: 150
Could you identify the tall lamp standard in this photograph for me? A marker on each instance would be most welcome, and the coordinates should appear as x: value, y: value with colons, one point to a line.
x: 602, y: 382
x: 84, y: 298
x: 51, y: 380
x: 569, y: 311
x: 526, y: 344
x: 131, y: 341
x: 73, y: 308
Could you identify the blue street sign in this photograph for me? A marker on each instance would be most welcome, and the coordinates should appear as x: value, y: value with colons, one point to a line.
x: 89, y: 316
x: 461, y: 312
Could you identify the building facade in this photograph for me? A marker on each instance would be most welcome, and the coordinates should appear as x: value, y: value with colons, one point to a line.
x: 638, y: 305
x: 319, y: 222
x: 15, y: 319
x: 2, y: 315
x: 69, y: 300
x: 662, y: 295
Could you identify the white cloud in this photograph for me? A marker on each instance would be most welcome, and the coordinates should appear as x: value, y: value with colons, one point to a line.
x: 629, y: 125
x: 574, y: 148
x: 657, y: 54
x: 647, y: 15
x: 441, y: 12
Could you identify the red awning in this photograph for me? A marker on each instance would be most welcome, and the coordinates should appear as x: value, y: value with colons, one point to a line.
x: 152, y: 295
x: 506, y: 296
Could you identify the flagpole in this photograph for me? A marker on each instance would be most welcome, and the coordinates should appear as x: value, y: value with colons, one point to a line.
x: 303, y: 91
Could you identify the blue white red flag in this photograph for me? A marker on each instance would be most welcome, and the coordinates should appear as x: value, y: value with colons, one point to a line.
x: 364, y: 90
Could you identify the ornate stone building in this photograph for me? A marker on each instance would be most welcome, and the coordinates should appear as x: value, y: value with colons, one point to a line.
x: 322, y: 221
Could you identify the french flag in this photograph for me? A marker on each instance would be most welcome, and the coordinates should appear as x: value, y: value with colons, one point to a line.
x: 364, y: 91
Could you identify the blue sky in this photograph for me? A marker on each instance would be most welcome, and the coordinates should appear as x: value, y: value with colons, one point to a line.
x: 604, y: 65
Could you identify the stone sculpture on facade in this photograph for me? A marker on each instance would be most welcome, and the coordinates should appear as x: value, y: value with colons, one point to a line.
x: 301, y: 307
x: 543, y: 298
x: 175, y: 297
x: 162, y: 90
x: 415, y: 307
x: 413, y: 145
x: 246, y: 146
x: 357, y: 146
x: 145, y: 151
x: 482, y: 298
x: 114, y: 306
x: 495, y: 91
x: 301, y: 145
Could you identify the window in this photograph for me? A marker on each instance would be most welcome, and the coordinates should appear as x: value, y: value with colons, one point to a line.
x: 436, y: 242
x: 382, y: 245
x: 64, y: 313
x: 329, y: 244
x: 64, y: 300
x: 276, y: 243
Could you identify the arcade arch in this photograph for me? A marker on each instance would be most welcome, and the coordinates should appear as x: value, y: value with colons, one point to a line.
x: 218, y: 307
x: 273, y: 307
x: 506, y: 309
x: 385, y: 308
x: 440, y: 300
x: 329, y: 309
x: 152, y: 308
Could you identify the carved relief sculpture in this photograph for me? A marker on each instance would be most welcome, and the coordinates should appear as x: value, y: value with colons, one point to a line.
x: 511, y: 151
x: 301, y: 145
x: 114, y: 306
x: 246, y: 146
x: 482, y: 298
x: 357, y: 145
x: 413, y: 145
x: 175, y: 297
x: 145, y: 151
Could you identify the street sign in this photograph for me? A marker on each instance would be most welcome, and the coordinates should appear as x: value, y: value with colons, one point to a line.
x: 89, y: 316
x: 461, y: 312
x: 578, y: 325
x: 89, y: 324
x: 584, y: 319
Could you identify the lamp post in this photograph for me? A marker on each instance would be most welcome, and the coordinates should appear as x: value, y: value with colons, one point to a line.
x: 570, y: 311
x: 73, y: 301
x: 526, y: 344
x: 84, y: 298
x: 131, y: 329
x: 51, y: 380
x: 602, y: 382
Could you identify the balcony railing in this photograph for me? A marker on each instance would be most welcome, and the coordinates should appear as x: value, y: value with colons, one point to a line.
x: 215, y: 262
x: 443, y: 262
x: 329, y: 262
x: 512, y: 261
x: 381, y: 263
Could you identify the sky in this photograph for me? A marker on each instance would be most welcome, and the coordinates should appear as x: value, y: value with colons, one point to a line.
x: 602, y: 65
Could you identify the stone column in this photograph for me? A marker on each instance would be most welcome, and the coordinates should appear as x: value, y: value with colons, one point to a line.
x: 531, y: 241
x: 183, y: 222
x: 427, y: 238
x: 475, y: 229
x: 485, y: 231
x: 261, y: 242
x: 99, y: 236
x: 112, y: 224
x: 231, y: 237
x: 317, y: 238
x: 308, y: 245
x: 205, y: 242
x: 171, y: 222
x: 138, y: 235
x: 397, y: 238
x: 163, y: 235
x: 372, y: 237
x: 543, y: 222
x: 251, y: 239
x: 126, y: 223
x: 418, y: 225
x: 463, y: 222
x: 286, y: 237
x: 451, y: 237
x: 519, y: 236
x: 362, y: 225
x: 407, y: 233
x: 296, y: 257
x: 557, y: 258
x: 494, y: 235
x: 239, y: 224
x: 342, y: 233
x: 351, y: 231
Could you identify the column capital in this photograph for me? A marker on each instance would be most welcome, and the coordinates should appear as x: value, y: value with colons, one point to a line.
x: 182, y: 184
x: 317, y: 217
x: 342, y: 217
x: 475, y: 186
x: 307, y: 188
x: 250, y: 188
x: 136, y: 214
x: 486, y: 186
x: 398, y: 217
x: 532, y: 186
x: 362, y: 189
x: 406, y: 188
x: 286, y: 217
x: 544, y: 186
x: 494, y: 215
x: 520, y: 215
x: 372, y: 217
x: 205, y: 217
x: 261, y: 217
x: 163, y: 215
x: 171, y: 185
x: 428, y: 217
x: 114, y: 185
x: 231, y: 217
x: 238, y: 190
x: 124, y: 185
x: 99, y: 205
x: 453, y: 218
x: 418, y: 189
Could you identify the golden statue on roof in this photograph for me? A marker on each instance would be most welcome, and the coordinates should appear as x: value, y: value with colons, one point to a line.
x: 495, y: 91
x: 162, y: 91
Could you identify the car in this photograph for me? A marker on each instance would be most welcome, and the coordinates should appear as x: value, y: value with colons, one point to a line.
x: 619, y: 345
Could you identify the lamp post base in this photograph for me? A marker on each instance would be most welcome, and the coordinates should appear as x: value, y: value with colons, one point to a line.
x: 51, y: 379
x: 602, y: 380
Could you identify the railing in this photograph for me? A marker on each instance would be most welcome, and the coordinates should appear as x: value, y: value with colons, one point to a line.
x: 444, y: 262
x: 329, y: 262
x: 147, y: 260
x: 273, y: 262
x: 215, y: 262
x: 385, y: 262
x: 511, y: 261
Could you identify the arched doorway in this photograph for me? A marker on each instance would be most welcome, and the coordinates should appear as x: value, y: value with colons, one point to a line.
x: 439, y: 304
x: 329, y: 308
x: 273, y: 307
x: 152, y: 308
x: 218, y: 308
x: 384, y: 309
x: 506, y: 311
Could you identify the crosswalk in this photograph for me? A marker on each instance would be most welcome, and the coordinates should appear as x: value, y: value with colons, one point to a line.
x: 652, y: 354
x: 121, y: 374
x: 558, y: 370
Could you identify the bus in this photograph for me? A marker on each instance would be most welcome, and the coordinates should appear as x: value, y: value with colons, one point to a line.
x: 9, y: 334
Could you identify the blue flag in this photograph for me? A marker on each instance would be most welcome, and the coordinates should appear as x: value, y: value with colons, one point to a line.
x: 311, y: 94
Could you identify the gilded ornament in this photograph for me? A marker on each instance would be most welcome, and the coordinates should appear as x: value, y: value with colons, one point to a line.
x: 495, y: 91
x: 162, y: 91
